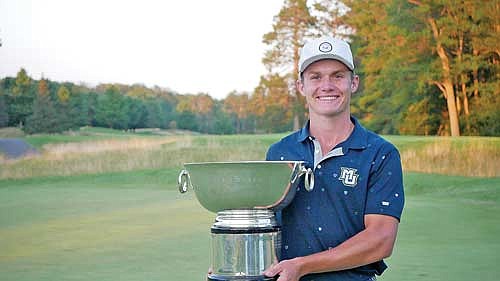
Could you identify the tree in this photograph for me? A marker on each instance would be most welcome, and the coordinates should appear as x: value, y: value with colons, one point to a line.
x: 23, y: 82
x: 4, y: 115
x: 137, y: 113
x: 112, y: 109
x: 329, y: 18
x: 204, y: 107
x: 291, y: 27
x: 154, y: 117
x: 44, y: 117
x: 270, y: 104
x: 421, y: 118
x: 20, y: 99
x: 80, y: 104
x: 168, y: 111
x: 66, y: 112
x: 199, y: 107
x: 63, y: 94
x: 237, y: 106
x: 186, y: 120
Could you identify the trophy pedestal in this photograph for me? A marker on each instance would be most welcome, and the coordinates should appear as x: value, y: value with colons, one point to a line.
x: 244, y: 244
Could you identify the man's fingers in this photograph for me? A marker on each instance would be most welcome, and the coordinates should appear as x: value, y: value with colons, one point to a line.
x: 272, y: 270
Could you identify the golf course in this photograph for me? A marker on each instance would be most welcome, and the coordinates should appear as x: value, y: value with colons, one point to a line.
x: 101, y: 204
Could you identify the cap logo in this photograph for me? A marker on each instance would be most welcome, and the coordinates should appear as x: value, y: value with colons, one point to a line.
x: 325, y: 47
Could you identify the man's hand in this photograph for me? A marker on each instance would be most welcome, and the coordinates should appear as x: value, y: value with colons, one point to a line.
x: 288, y: 270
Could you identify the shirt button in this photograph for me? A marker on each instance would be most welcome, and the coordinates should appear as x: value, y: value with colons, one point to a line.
x: 319, y: 166
x: 320, y: 229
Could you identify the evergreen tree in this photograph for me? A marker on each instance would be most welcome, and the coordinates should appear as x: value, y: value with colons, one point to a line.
x: 44, y: 117
x: 80, y: 104
x: 66, y: 113
x: 112, y: 109
x: 222, y: 121
x: 4, y: 115
x: 154, y: 117
x: 137, y: 113
x: 168, y: 112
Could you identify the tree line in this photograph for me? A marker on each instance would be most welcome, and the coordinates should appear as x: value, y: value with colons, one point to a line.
x: 45, y: 106
x: 427, y: 68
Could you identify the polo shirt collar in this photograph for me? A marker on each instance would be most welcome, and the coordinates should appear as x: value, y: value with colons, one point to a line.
x: 304, y: 133
x: 357, y: 140
x: 359, y: 137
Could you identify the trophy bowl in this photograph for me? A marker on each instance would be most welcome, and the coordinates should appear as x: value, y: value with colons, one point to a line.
x: 246, y: 238
x: 244, y: 185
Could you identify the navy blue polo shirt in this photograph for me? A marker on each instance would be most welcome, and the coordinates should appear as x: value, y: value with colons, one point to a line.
x: 360, y: 176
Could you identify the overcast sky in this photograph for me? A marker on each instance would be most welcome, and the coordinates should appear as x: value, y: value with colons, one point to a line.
x: 188, y: 46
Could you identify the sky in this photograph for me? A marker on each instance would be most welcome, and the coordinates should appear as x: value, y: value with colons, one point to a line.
x: 187, y: 46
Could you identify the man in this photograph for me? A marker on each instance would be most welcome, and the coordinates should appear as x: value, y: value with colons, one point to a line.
x: 347, y: 225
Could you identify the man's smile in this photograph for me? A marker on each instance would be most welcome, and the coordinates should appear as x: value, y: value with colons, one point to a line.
x: 327, y: 98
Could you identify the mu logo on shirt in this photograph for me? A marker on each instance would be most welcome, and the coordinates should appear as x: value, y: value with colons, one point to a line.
x: 348, y: 176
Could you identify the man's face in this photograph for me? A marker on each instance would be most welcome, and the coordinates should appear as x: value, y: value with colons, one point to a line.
x: 327, y: 86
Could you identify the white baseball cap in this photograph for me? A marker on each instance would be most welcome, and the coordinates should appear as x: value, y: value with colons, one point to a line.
x: 325, y: 47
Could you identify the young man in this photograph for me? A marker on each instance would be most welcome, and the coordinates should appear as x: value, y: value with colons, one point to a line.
x: 347, y: 225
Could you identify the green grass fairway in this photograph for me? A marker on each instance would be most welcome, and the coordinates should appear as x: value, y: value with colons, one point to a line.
x: 136, y: 226
x: 449, y: 231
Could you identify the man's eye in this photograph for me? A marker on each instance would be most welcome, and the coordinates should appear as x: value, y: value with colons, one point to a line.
x: 315, y: 77
x: 339, y: 75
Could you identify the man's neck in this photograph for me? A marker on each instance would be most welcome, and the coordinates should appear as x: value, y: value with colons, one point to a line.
x: 330, y: 131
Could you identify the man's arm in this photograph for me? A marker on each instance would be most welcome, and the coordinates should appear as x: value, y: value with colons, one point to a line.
x: 372, y: 244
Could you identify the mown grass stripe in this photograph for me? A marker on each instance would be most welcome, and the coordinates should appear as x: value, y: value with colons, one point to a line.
x: 94, y: 232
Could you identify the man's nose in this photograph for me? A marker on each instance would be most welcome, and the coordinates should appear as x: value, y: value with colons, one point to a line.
x: 327, y: 84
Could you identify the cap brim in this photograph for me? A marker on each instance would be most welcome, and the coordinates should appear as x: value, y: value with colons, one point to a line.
x: 314, y: 59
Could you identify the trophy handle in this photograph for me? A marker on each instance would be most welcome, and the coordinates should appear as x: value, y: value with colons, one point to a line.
x: 298, y: 170
x: 309, y: 179
x: 184, y: 181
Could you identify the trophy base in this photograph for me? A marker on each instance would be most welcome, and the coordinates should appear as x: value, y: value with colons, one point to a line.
x: 249, y: 278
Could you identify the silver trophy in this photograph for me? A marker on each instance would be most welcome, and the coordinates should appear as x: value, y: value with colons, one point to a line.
x: 245, y: 195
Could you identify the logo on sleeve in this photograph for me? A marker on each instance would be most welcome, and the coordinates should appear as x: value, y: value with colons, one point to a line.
x: 349, y: 176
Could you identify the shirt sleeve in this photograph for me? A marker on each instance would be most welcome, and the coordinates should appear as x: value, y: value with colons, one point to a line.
x: 385, y: 188
x: 271, y: 154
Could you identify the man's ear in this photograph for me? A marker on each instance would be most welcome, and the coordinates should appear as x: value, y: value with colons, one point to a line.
x: 300, y: 86
x: 354, y: 83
